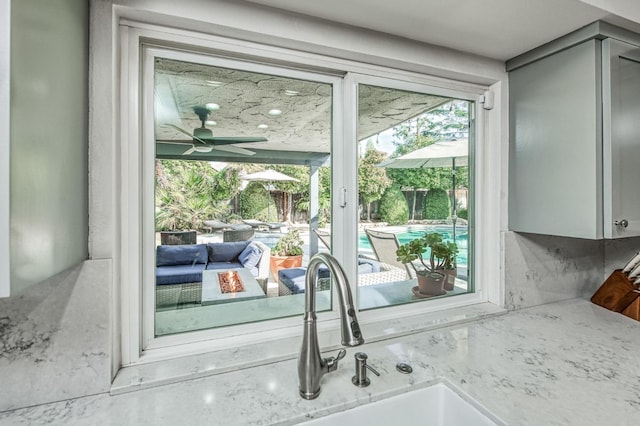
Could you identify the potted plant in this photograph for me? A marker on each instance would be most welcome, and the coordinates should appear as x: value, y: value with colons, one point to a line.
x: 287, y: 253
x: 445, y: 253
x: 439, y: 274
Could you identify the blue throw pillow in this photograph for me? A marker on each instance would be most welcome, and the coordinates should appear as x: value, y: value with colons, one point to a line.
x: 226, y: 252
x: 181, y: 254
x: 250, y: 256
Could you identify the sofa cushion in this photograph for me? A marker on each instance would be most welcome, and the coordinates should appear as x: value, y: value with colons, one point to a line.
x: 179, y: 274
x: 367, y: 266
x: 223, y: 265
x: 293, y: 278
x: 181, y: 255
x: 250, y: 256
x: 226, y: 252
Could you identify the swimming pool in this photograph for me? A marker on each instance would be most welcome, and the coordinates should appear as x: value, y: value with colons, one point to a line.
x: 411, y: 232
x: 404, y: 234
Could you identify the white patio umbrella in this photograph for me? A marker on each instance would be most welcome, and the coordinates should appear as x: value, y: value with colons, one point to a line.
x: 440, y: 154
x: 268, y: 176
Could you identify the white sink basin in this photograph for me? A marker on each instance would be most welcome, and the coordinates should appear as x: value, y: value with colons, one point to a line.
x: 436, y: 405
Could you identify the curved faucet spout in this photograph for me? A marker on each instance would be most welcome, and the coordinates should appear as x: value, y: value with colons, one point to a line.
x: 311, y: 366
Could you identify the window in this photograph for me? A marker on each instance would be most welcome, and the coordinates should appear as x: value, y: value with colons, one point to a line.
x: 242, y: 176
x: 199, y: 203
x: 413, y: 186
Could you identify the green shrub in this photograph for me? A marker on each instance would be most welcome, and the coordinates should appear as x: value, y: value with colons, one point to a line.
x: 256, y: 203
x: 463, y: 214
x: 436, y: 204
x: 393, y: 207
x: 185, y: 195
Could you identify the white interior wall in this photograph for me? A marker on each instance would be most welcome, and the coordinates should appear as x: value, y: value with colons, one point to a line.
x: 5, y: 66
x: 48, y: 139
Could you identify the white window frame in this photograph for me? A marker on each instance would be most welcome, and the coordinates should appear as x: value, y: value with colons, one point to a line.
x: 149, y: 55
x: 136, y: 253
x: 479, y: 294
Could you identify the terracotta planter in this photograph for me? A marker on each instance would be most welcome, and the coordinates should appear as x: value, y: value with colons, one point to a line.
x: 450, y: 278
x: 283, y: 262
x: 431, y: 284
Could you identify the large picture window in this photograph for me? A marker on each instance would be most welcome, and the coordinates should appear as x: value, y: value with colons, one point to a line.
x: 250, y: 165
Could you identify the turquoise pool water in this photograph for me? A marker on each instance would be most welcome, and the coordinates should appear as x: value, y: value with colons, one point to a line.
x: 408, y: 233
x: 404, y: 234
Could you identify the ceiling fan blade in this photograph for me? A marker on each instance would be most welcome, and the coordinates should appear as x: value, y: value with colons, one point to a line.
x: 190, y: 150
x: 233, y: 140
x: 234, y: 149
x: 174, y: 142
x: 187, y: 133
x: 180, y: 130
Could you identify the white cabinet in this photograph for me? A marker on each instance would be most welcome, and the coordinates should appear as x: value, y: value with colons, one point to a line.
x: 575, y: 142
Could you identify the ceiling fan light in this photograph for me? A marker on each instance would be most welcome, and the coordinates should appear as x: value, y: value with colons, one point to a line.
x: 275, y: 112
x: 210, y: 123
x: 203, y: 148
x: 212, y: 106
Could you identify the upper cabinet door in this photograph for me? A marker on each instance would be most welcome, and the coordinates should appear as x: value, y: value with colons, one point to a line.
x: 555, y: 144
x: 621, y: 139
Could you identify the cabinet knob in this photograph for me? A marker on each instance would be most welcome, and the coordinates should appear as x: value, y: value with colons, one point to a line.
x: 623, y: 223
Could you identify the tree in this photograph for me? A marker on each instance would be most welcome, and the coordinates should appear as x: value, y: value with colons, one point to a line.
x: 393, y: 206
x: 255, y: 201
x: 372, y: 180
x: 301, y: 186
x: 436, y: 204
x: 449, y: 121
x: 324, y: 196
x: 189, y: 192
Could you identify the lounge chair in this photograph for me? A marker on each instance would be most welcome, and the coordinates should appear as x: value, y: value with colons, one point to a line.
x: 178, y: 237
x: 268, y: 226
x: 216, y: 225
x: 324, y: 236
x: 230, y: 235
x: 384, y: 245
x: 369, y: 271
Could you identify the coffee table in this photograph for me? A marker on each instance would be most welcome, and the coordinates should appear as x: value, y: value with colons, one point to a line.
x: 212, y: 294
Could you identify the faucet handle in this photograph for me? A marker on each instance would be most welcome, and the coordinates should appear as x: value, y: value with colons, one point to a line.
x: 332, y: 362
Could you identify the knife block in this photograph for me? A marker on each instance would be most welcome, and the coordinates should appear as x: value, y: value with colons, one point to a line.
x: 619, y: 294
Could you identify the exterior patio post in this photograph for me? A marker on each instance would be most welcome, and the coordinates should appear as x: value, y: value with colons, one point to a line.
x: 314, y: 208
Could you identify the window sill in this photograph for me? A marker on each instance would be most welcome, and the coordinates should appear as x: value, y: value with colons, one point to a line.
x: 144, y: 376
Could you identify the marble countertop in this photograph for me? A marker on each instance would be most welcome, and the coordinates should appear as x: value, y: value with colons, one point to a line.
x: 566, y: 363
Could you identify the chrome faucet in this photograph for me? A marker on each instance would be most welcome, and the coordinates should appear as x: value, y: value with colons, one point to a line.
x: 311, y: 366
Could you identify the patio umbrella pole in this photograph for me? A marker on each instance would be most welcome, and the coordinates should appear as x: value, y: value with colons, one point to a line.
x: 454, y: 217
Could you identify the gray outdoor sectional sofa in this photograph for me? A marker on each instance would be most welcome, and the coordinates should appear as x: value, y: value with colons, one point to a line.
x: 179, y: 268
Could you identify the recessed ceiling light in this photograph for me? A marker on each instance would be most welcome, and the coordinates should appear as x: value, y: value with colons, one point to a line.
x: 214, y: 83
x: 275, y: 112
x: 212, y: 107
x: 262, y: 126
x: 291, y: 92
x: 210, y: 123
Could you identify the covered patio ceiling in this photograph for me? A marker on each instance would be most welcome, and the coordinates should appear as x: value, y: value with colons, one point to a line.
x: 299, y: 134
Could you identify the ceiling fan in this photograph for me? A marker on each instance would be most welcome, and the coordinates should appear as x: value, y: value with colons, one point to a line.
x: 202, y: 139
